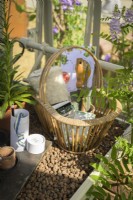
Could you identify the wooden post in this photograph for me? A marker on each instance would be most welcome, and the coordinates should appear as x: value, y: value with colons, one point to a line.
x: 93, y: 24
x: 48, y: 23
x: 96, y: 25
x: 88, y: 27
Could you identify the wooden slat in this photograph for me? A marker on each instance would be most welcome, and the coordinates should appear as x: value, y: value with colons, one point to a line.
x: 60, y: 134
x: 68, y: 136
x: 82, y: 139
x: 73, y: 141
x: 54, y: 130
x: 76, y: 139
x: 88, y: 139
x: 95, y: 136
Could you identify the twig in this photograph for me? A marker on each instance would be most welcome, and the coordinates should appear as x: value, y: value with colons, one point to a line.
x: 57, y: 21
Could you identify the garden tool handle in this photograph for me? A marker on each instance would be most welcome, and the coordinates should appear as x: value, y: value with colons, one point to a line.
x: 86, y: 75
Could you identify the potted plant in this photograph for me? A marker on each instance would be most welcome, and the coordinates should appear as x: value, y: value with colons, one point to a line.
x: 12, y: 90
x: 114, y: 178
x: 122, y: 148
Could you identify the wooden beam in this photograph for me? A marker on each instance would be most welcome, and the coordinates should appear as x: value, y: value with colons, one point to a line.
x: 48, y: 22
x: 96, y: 25
x: 89, y: 18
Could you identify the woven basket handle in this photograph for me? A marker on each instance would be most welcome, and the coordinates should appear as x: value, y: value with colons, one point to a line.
x: 97, y: 74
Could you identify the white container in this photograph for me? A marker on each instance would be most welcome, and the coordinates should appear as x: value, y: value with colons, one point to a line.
x: 19, y: 128
x: 35, y: 143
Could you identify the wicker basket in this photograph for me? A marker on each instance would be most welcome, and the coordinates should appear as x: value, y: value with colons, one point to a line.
x: 73, y: 134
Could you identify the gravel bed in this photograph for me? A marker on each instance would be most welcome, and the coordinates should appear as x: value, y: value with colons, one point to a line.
x: 59, y: 174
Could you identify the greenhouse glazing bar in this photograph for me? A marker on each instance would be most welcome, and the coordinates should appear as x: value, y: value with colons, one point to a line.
x: 93, y: 24
x: 48, y: 22
x: 96, y: 25
x: 88, y: 27
x: 45, y: 48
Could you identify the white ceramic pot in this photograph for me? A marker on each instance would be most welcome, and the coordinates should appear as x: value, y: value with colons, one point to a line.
x: 35, y: 143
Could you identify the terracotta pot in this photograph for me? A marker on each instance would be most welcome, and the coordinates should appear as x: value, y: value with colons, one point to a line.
x: 5, y: 121
x: 7, y: 157
x: 18, y: 21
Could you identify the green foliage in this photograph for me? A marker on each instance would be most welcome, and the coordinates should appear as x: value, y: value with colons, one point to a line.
x: 70, y: 25
x: 115, y: 181
x: 19, y: 8
x: 22, y: 9
x: 83, y: 93
x: 98, y: 97
x: 122, y: 90
x: 103, y: 98
x: 120, y: 86
x: 12, y: 91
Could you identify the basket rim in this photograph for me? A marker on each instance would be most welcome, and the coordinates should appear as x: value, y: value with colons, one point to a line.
x: 77, y: 122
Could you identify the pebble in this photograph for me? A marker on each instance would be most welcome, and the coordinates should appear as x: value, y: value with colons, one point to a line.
x: 59, y: 174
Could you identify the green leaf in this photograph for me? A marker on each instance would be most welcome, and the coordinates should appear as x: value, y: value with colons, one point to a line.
x: 113, y: 170
x: 23, y: 96
x: 30, y: 101
x: 95, y: 177
x: 118, y: 164
x: 108, y: 197
x: 104, y: 181
x: 32, y: 17
x: 114, y: 153
x: 4, y: 106
x: 99, y: 168
x: 19, y: 8
x: 123, y: 196
x: 101, y: 190
x: 98, y: 195
x: 117, y: 197
x: 20, y: 105
x: 130, y: 196
x: 102, y: 158
x: 125, y: 164
x: 111, y: 176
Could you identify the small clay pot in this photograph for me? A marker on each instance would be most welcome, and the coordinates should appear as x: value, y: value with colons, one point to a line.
x: 7, y: 157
